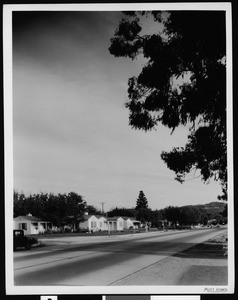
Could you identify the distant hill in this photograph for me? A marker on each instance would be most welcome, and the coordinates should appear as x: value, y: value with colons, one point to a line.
x: 212, y: 207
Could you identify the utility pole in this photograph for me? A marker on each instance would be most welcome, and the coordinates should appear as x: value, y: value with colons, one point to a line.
x: 108, y: 225
x: 102, y: 207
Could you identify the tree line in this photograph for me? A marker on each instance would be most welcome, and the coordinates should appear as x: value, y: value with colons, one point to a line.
x: 185, y: 215
x: 60, y: 209
x: 69, y: 209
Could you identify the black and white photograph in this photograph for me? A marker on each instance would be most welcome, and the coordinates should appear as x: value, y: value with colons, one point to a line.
x: 118, y: 148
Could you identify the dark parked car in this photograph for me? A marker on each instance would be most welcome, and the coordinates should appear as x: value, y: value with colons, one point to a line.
x: 22, y: 241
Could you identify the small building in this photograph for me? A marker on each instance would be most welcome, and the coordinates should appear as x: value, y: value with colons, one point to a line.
x: 90, y: 223
x: 94, y: 223
x: 135, y: 223
x: 30, y: 224
x: 115, y: 223
x: 127, y: 223
x: 131, y: 223
x: 102, y: 223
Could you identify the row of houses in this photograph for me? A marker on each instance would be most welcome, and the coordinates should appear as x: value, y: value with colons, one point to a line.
x: 98, y: 222
x: 93, y: 223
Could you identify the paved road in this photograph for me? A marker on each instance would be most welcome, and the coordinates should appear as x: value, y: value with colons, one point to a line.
x: 93, y: 261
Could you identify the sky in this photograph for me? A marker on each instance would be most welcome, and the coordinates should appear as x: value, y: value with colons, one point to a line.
x: 70, y: 125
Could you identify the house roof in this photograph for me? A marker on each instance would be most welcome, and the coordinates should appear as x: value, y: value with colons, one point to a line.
x: 114, y: 218
x: 28, y: 218
x: 86, y: 217
x: 133, y: 219
x: 100, y: 216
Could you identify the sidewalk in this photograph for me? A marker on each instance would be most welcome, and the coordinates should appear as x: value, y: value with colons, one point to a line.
x: 74, y: 239
x: 203, y: 264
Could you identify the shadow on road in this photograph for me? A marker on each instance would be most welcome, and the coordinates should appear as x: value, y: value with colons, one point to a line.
x: 204, y: 250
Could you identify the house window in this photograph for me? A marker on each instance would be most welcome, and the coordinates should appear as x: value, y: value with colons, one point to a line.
x: 100, y: 224
x: 93, y: 224
x: 120, y: 224
x: 23, y: 226
x: 35, y: 225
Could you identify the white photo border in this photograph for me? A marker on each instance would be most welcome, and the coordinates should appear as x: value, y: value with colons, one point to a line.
x: 11, y: 289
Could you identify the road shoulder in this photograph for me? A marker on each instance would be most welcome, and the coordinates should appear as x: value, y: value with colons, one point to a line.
x: 202, y: 264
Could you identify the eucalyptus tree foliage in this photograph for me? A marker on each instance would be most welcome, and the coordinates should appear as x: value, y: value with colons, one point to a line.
x: 183, y: 82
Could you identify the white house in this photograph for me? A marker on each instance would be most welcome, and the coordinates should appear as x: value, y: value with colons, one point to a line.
x: 94, y: 223
x: 115, y: 223
x: 131, y: 223
x: 136, y: 223
x: 30, y: 224
x: 127, y: 223
x: 100, y: 223
x: 90, y: 223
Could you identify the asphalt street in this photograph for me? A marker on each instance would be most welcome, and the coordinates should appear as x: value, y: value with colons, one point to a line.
x: 100, y: 261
